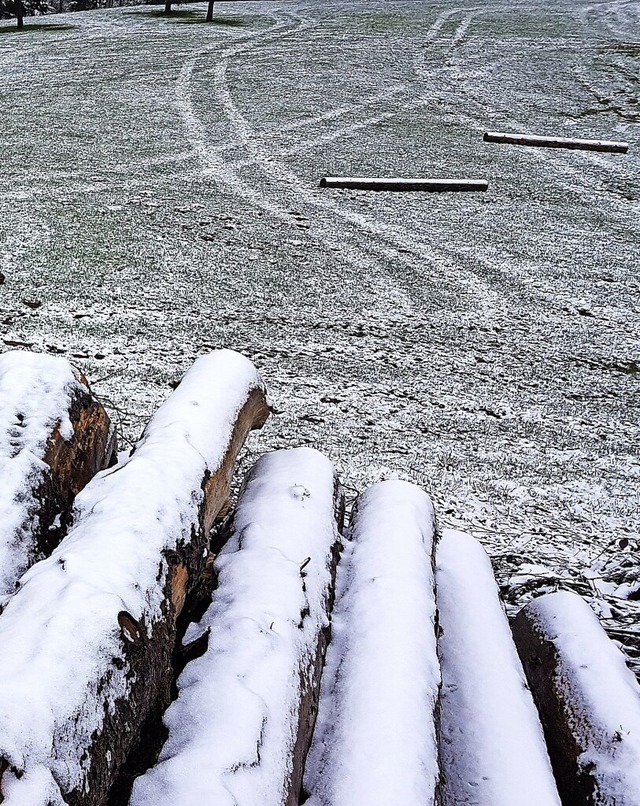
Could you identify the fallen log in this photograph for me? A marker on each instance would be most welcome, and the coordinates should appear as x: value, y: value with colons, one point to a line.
x: 588, y: 699
x: 87, y: 640
x: 241, y: 725
x: 492, y: 750
x: 54, y: 437
x: 556, y: 142
x: 375, y: 738
x: 403, y: 184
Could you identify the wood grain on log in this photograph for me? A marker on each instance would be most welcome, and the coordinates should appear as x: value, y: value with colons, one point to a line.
x: 107, y: 600
x: 399, y: 184
x: 54, y: 437
x: 610, y: 146
x: 241, y: 725
x: 588, y: 700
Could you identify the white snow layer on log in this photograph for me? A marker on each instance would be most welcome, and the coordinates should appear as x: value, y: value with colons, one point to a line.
x: 598, y: 692
x: 40, y: 387
x: 234, y: 725
x: 60, y: 631
x: 492, y: 749
x: 375, y: 741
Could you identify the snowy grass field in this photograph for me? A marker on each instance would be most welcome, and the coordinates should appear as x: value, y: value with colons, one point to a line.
x: 159, y: 198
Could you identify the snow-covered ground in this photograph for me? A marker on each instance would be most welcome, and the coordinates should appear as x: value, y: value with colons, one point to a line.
x: 159, y: 196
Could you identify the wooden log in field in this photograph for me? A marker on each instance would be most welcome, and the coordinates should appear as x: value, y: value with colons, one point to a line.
x: 398, y: 184
x: 241, y: 725
x: 610, y: 146
x: 54, y: 437
x: 375, y: 738
x: 86, y: 641
x: 492, y: 749
x: 588, y: 699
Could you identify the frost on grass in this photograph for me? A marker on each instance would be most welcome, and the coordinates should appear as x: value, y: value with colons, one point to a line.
x: 65, y: 669
x: 492, y: 750
x: 234, y: 729
x: 588, y: 699
x: 375, y: 743
x: 37, y: 393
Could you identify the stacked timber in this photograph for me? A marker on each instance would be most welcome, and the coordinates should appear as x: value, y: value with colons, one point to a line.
x: 87, y: 639
x: 375, y: 740
x: 588, y: 699
x: 54, y: 437
x: 241, y: 725
x: 492, y: 749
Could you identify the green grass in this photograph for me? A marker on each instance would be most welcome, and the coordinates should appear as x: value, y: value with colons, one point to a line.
x: 28, y: 27
x: 189, y: 16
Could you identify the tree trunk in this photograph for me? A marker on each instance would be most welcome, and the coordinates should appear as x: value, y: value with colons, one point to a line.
x: 210, y: 11
x: 246, y: 710
x: 97, y: 620
x: 589, y: 701
x: 20, y: 14
x: 54, y: 437
x: 167, y: 6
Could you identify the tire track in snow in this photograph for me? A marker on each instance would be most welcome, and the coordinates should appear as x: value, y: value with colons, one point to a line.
x: 392, y: 241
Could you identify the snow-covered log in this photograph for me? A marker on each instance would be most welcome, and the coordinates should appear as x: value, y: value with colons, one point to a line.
x: 241, y: 725
x: 375, y: 738
x: 588, y: 699
x: 403, y: 184
x: 54, y: 437
x: 612, y: 146
x: 492, y: 750
x: 87, y: 639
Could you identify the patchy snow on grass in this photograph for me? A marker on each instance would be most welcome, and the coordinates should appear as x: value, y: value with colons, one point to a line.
x: 598, y: 695
x: 492, y: 750
x: 374, y: 742
x: 36, y: 391
x: 60, y: 631
x: 233, y: 728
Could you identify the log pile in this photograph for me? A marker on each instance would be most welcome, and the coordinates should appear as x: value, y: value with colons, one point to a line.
x: 366, y: 664
x: 97, y: 618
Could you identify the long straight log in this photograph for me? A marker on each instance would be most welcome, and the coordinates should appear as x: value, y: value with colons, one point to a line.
x: 241, y: 725
x: 375, y: 738
x: 556, y: 142
x: 54, y: 437
x: 492, y: 750
x: 87, y: 640
x: 588, y: 699
x: 403, y: 184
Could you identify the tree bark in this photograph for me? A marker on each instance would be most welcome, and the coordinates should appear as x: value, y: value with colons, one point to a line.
x: 42, y: 469
x: 167, y: 6
x: 588, y: 700
x: 108, y: 598
x: 210, y: 11
x: 20, y: 14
